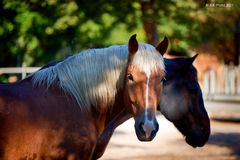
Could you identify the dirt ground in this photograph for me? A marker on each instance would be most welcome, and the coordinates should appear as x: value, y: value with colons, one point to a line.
x: 169, y: 144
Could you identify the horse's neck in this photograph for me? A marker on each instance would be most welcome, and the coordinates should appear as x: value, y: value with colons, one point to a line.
x: 117, y: 107
x: 117, y: 114
x: 114, y: 118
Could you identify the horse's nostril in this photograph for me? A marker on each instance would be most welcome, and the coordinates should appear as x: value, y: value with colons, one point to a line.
x: 141, y: 127
x: 149, y: 128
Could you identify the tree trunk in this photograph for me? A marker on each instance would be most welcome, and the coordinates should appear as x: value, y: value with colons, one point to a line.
x: 237, y: 43
x: 149, y: 22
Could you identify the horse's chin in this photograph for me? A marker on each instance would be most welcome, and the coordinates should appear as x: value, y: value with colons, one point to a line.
x: 196, y: 137
x: 196, y: 142
x: 143, y: 138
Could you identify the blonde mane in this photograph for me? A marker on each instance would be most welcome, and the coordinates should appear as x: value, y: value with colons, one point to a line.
x: 96, y: 75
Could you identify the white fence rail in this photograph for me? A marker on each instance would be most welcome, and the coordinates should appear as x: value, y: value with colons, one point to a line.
x: 222, y: 84
x: 18, y: 70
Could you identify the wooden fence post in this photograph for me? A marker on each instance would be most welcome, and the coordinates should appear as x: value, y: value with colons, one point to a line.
x: 24, y: 72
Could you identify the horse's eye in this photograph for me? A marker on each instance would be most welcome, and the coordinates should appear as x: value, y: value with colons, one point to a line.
x: 130, y: 77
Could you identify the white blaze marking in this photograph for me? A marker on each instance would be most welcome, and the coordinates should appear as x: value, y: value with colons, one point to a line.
x: 148, y: 125
x: 148, y: 73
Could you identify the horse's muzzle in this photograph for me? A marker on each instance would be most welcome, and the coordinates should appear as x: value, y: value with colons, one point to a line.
x: 198, y: 137
x: 146, y: 131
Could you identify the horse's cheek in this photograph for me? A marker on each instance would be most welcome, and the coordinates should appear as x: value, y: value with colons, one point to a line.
x: 131, y: 93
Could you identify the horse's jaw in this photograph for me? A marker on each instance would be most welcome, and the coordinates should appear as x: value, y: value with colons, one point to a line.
x: 197, y: 138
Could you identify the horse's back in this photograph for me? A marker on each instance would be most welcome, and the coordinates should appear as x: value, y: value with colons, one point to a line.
x: 3, y: 103
x: 35, y: 126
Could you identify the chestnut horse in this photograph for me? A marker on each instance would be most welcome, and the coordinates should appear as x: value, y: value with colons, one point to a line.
x: 183, y: 105
x: 60, y: 111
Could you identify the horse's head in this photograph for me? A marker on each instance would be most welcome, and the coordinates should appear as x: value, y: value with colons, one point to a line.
x: 145, y: 71
x: 183, y: 103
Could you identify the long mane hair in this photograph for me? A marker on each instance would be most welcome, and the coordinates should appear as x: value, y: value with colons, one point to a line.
x: 96, y: 74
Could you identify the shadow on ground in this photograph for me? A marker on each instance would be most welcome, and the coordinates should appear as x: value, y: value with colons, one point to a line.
x: 230, y: 140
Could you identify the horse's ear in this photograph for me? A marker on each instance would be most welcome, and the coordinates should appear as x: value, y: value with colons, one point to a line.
x: 191, y: 60
x: 162, y: 46
x: 132, y: 44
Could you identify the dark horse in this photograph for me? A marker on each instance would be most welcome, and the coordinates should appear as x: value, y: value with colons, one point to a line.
x: 60, y: 111
x: 182, y: 104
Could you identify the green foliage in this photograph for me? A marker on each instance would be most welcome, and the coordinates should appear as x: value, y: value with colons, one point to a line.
x: 37, y: 32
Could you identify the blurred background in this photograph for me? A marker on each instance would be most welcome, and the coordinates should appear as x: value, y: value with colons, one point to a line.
x: 33, y: 33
